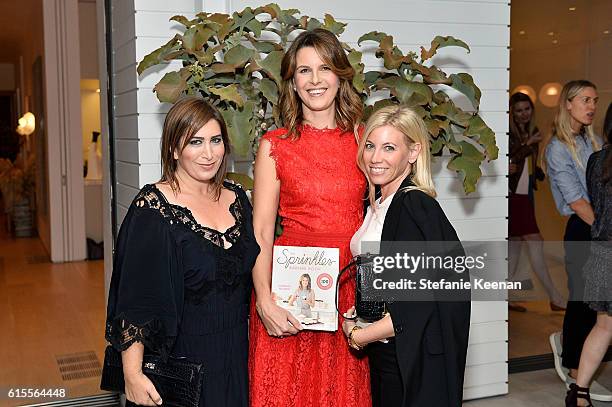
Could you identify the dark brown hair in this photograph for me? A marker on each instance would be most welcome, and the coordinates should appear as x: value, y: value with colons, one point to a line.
x: 349, y: 107
x: 184, y: 119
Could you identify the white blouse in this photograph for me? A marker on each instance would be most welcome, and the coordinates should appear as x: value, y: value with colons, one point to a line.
x: 371, y: 229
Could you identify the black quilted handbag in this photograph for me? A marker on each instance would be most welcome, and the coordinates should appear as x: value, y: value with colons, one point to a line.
x: 369, y: 311
x: 178, y: 382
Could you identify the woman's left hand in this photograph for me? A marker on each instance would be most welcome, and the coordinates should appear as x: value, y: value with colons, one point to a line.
x: 347, y: 325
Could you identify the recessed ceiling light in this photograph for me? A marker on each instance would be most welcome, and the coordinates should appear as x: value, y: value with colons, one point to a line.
x: 555, y: 41
x: 551, y: 33
x: 607, y: 32
x: 522, y: 32
x: 572, y: 9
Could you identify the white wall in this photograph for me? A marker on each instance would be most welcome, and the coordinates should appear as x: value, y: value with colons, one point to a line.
x: 140, y: 26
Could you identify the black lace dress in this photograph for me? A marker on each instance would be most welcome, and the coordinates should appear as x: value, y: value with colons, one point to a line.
x: 178, y: 290
x: 598, y: 268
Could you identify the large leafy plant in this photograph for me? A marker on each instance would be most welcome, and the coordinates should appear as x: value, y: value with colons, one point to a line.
x: 234, y: 63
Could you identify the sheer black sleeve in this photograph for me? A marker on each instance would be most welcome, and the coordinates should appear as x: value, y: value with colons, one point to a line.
x: 146, y: 292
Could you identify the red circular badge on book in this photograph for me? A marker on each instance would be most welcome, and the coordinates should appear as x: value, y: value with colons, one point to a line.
x: 325, y: 281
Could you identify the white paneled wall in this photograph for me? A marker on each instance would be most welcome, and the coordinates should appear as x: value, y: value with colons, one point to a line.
x: 140, y: 26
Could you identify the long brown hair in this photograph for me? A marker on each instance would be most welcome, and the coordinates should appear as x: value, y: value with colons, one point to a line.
x: 514, y: 128
x: 184, y: 119
x: 349, y: 107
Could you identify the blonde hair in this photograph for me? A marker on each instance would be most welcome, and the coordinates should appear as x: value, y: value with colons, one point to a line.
x: 349, y: 107
x: 413, y: 128
x: 562, y: 128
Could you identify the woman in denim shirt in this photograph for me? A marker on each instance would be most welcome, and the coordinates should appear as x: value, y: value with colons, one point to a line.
x: 567, y: 154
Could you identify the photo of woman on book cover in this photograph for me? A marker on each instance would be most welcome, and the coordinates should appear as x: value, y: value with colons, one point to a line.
x: 304, y: 296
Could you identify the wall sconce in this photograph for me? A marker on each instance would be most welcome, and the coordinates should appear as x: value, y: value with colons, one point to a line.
x: 527, y: 90
x: 27, y: 124
x: 549, y: 94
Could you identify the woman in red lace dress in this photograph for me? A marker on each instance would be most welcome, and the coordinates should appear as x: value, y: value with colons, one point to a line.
x: 307, y: 172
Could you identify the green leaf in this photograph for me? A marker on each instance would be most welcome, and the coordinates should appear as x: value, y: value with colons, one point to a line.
x: 170, y: 87
x: 392, y: 56
x: 286, y: 17
x: 313, y: 24
x: 269, y: 90
x: 436, y: 146
x: 332, y: 25
x: 440, y: 97
x: 371, y: 77
x: 441, y: 42
x: 451, y: 112
x: 464, y: 83
x: 469, y: 171
x: 195, y: 37
x: 372, y: 36
x: 157, y: 56
x: 242, y: 18
x: 255, y: 26
x: 238, y: 123
x: 228, y: 93
x: 272, y: 9
x: 264, y: 46
x: 223, y: 68
x: 404, y: 90
x: 242, y: 179
x: 354, y: 58
x: 183, y: 20
x: 271, y: 65
x: 479, y: 131
x: 470, y: 152
x: 204, y: 57
x: 451, y: 142
x: 238, y: 56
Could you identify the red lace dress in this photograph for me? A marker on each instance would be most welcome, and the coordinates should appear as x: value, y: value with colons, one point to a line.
x: 321, y: 203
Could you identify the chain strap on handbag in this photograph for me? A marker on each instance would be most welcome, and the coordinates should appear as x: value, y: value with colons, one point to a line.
x: 369, y: 311
x: 178, y: 382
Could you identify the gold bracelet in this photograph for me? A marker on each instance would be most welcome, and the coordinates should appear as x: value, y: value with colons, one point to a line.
x: 351, y: 340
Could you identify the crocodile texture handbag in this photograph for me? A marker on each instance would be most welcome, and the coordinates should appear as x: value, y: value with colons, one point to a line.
x: 178, y: 382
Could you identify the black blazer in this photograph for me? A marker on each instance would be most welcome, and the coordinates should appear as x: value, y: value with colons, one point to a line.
x: 423, y: 329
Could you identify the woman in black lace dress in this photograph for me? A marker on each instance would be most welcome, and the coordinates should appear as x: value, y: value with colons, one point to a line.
x: 598, y: 269
x: 181, y: 282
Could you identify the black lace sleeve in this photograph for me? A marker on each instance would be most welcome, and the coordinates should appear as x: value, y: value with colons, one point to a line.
x: 146, y: 292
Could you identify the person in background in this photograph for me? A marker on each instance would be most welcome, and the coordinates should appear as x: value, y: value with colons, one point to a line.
x: 524, y: 140
x: 306, y: 172
x: 566, y: 156
x: 181, y: 279
x: 597, y: 270
x: 423, y: 362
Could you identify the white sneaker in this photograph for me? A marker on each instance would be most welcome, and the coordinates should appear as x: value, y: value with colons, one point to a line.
x: 597, y: 391
x: 555, y: 344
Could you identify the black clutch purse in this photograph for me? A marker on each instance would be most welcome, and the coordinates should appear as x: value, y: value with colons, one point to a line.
x: 178, y: 382
x: 369, y: 311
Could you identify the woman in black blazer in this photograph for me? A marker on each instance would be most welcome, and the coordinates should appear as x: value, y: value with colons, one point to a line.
x: 417, y: 352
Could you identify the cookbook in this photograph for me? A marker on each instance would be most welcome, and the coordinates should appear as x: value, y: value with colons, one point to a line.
x: 304, y: 282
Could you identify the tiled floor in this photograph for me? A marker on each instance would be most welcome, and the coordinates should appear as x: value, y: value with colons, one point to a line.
x: 542, y: 388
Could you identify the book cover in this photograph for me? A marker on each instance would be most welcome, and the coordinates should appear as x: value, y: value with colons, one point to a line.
x: 304, y: 282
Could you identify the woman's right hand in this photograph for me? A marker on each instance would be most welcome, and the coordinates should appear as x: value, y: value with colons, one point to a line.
x: 278, y: 321
x: 140, y: 390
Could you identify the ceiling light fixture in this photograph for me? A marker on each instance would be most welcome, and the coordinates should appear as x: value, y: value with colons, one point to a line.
x: 522, y: 32
x: 607, y: 32
x: 555, y: 41
x: 551, y: 33
x: 572, y: 9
